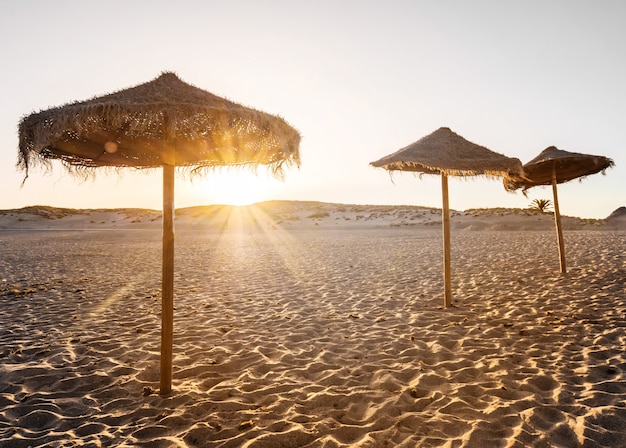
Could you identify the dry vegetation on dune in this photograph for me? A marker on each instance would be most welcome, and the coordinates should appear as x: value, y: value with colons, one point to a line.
x: 43, y: 211
x: 499, y: 211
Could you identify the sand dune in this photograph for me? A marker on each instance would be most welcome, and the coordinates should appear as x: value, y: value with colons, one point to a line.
x: 292, y: 334
x: 300, y: 215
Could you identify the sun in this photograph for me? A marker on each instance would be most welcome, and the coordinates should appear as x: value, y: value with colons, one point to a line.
x: 231, y: 187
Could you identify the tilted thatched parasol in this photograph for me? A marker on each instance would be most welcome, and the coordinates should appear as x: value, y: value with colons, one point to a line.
x: 554, y: 166
x: 162, y: 123
x: 446, y: 153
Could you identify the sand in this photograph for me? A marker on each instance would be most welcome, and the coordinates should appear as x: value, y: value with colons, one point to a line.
x: 316, y: 335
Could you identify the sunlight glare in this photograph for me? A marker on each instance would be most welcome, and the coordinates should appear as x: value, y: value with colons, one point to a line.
x: 239, y: 188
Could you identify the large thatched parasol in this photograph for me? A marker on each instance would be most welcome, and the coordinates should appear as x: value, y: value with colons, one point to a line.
x: 162, y: 123
x: 446, y: 153
x: 554, y: 166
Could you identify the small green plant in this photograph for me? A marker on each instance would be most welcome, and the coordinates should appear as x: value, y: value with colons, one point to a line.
x: 542, y: 205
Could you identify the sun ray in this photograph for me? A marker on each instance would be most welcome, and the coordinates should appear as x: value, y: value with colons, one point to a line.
x: 241, y: 229
x: 113, y: 298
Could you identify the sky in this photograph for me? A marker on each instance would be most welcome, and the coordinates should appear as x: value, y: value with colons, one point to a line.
x: 358, y: 79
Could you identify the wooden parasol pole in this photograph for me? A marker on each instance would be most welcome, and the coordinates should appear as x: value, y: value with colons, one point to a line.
x: 167, y: 288
x: 557, y: 220
x: 447, y: 299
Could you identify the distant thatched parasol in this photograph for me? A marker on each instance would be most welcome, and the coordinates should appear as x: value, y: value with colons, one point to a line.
x: 554, y: 166
x: 446, y: 153
x: 162, y: 123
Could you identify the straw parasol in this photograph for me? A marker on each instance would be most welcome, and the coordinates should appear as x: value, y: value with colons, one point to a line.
x: 163, y: 123
x: 448, y: 154
x: 555, y: 166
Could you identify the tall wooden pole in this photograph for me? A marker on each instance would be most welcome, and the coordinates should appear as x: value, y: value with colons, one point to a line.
x: 167, y: 289
x: 557, y: 220
x: 447, y: 299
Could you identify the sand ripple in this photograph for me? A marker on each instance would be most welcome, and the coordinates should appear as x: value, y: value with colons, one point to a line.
x: 314, y: 339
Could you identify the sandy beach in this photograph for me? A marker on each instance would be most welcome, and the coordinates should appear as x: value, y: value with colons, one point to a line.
x: 295, y: 330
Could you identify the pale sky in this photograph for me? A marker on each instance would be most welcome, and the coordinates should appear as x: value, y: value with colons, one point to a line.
x: 359, y: 79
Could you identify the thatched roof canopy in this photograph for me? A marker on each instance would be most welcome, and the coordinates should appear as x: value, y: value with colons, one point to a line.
x: 444, y: 152
x: 568, y: 166
x: 161, y: 122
